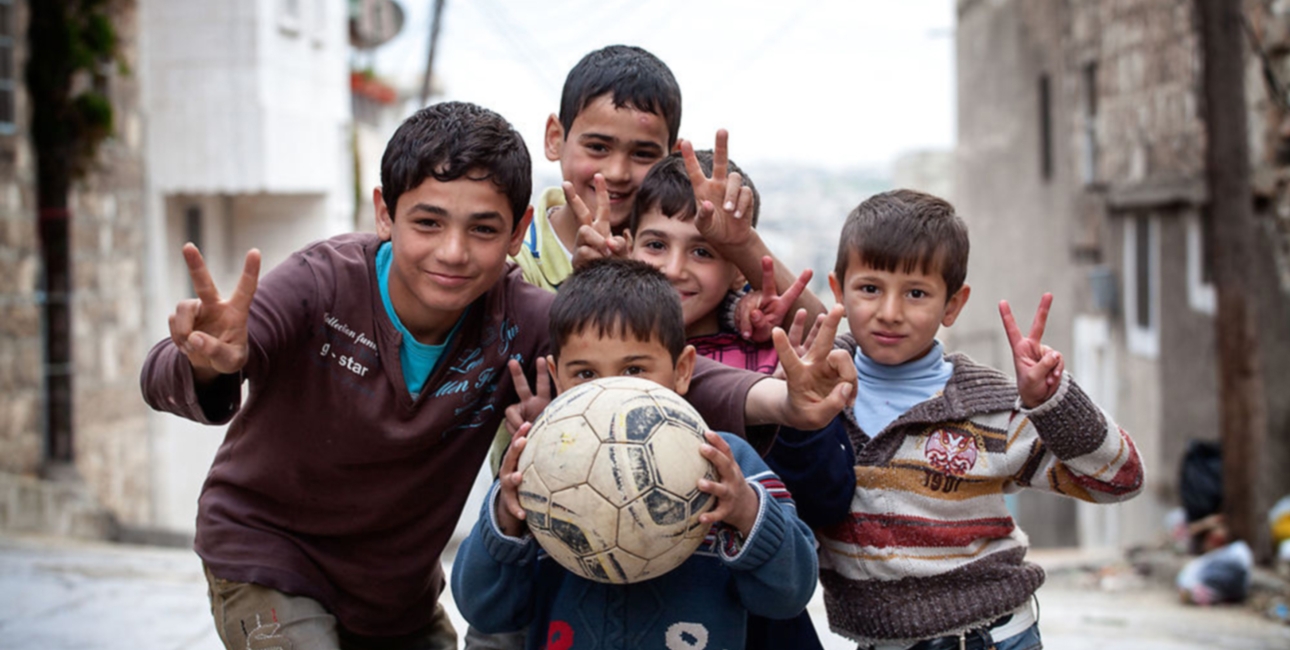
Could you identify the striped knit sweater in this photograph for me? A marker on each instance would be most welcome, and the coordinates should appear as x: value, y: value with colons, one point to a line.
x: 929, y: 547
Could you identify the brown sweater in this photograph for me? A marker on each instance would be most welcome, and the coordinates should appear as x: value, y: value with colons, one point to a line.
x: 332, y: 481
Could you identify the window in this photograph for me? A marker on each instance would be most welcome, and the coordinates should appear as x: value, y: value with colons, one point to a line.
x: 318, y: 20
x: 193, y: 231
x: 1088, y: 152
x: 1045, y: 129
x: 1200, y: 261
x: 289, y: 16
x: 7, y: 72
x: 1142, y: 284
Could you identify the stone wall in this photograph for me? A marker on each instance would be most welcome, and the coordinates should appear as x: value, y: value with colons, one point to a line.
x: 110, y: 436
x: 1140, y: 64
x: 21, y: 352
x: 1268, y: 94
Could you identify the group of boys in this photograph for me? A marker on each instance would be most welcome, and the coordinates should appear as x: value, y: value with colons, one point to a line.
x: 381, y: 367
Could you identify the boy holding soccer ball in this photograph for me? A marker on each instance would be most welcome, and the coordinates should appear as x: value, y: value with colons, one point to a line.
x: 615, y: 318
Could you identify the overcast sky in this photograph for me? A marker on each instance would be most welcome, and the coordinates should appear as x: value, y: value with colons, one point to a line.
x: 839, y: 83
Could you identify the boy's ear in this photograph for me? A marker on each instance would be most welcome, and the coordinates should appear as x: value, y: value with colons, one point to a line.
x: 384, y: 220
x: 555, y: 377
x: 739, y: 282
x: 684, y: 370
x: 517, y: 237
x: 954, y: 306
x: 836, y: 286
x: 553, y: 143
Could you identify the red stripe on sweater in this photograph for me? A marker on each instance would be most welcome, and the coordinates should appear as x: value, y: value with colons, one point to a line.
x: 1128, y: 479
x: 890, y: 531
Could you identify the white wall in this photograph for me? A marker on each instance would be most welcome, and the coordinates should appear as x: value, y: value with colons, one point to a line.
x: 247, y: 116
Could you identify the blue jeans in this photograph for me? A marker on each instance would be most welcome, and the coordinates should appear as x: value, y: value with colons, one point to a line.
x: 1028, y: 640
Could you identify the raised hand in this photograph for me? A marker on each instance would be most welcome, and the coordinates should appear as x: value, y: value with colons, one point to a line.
x: 531, y: 403
x: 799, y: 337
x: 759, y: 312
x: 510, y: 515
x: 212, y: 331
x: 737, y: 502
x: 821, y: 382
x: 724, y: 215
x: 1039, y: 367
x: 595, y: 238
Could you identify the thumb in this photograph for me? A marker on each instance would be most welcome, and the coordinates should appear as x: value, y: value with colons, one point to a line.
x: 224, y: 357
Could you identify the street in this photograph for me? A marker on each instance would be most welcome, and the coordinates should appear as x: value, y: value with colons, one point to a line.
x: 59, y: 594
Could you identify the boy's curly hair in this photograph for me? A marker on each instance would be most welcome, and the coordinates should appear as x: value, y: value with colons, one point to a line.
x: 449, y: 140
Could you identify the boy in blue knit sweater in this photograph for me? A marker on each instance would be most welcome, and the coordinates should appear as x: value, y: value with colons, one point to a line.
x: 621, y: 317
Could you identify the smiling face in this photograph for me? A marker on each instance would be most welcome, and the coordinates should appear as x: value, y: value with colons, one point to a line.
x: 450, y: 244
x: 698, y: 273
x: 585, y: 355
x: 894, y: 315
x: 619, y: 143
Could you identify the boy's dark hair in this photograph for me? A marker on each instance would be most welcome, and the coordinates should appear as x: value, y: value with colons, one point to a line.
x: 667, y: 187
x: 906, y: 229
x: 618, y: 297
x: 449, y: 140
x: 633, y: 76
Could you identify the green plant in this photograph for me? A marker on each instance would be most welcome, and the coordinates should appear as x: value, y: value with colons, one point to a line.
x: 73, y: 45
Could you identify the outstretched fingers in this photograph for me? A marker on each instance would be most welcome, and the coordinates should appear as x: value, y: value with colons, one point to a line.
x: 1041, y: 318
x: 599, y: 218
x: 521, y: 382
x: 248, y: 282
x: 795, y: 290
x: 768, y: 290
x: 823, y: 343
x: 203, y: 285
x: 721, y: 155
x: 1009, y: 324
x: 692, y: 168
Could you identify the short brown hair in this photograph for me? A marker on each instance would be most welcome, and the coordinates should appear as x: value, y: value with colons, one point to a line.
x: 618, y: 297
x: 904, y: 230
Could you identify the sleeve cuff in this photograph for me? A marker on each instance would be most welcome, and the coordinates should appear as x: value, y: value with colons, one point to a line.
x: 1068, y: 422
x: 765, y: 537
x: 502, y: 547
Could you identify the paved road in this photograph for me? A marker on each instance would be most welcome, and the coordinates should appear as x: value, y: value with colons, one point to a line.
x: 68, y: 595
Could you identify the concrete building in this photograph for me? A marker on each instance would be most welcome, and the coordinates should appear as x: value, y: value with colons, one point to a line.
x: 1080, y: 170
x: 249, y: 145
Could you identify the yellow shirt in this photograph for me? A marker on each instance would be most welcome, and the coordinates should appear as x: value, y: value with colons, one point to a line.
x: 543, y: 258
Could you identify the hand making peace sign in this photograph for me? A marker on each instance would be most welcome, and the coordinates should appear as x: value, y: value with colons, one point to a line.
x: 1039, y: 367
x: 595, y: 239
x: 724, y: 204
x: 531, y: 402
x: 212, y: 331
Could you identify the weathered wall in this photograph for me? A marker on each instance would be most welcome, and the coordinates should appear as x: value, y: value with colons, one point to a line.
x: 21, y: 351
x: 111, y: 447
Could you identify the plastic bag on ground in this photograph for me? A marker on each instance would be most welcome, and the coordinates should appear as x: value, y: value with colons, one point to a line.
x: 1219, y: 576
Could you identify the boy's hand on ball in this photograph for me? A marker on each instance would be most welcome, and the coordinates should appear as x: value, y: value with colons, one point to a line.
x: 510, y: 514
x: 737, y: 502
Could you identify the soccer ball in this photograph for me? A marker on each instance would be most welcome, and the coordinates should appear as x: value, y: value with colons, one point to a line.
x: 611, y: 469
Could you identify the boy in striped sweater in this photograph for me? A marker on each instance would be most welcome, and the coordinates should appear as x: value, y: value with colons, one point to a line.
x: 919, y: 551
